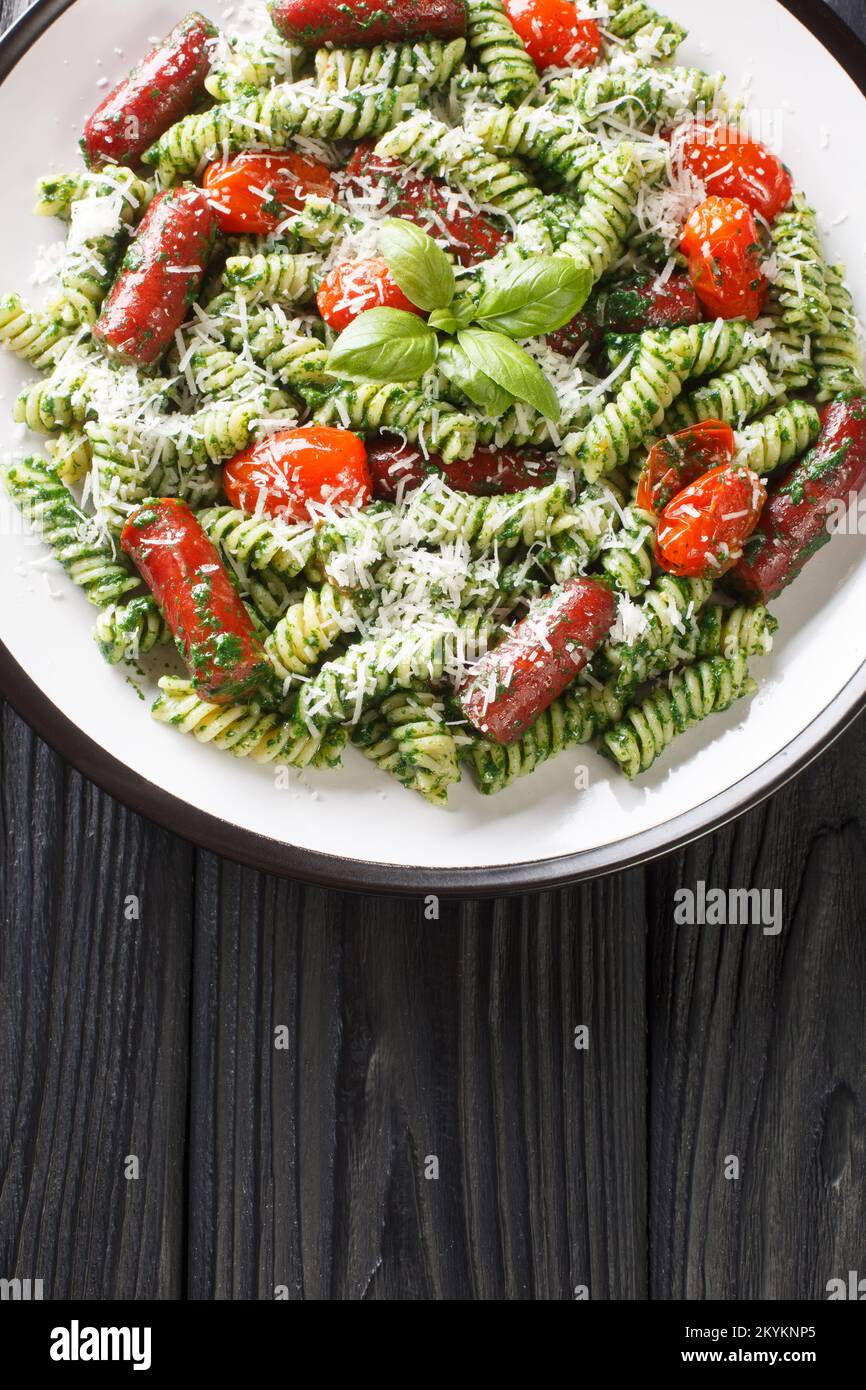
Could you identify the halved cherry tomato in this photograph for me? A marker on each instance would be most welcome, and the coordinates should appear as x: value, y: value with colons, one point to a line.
x: 554, y: 34
x: 702, y: 531
x: 733, y: 166
x: 721, y: 242
x: 680, y: 459
x: 294, y: 471
x: 254, y: 193
x: 351, y: 288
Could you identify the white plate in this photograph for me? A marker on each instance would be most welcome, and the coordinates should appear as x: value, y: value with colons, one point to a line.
x: 357, y: 828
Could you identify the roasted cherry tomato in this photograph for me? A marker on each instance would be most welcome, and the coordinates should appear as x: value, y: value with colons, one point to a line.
x: 732, y: 166
x: 680, y: 459
x: 351, y: 288
x: 398, y: 191
x: 702, y: 531
x: 554, y: 34
x: 293, y: 472
x: 254, y: 193
x: 721, y: 242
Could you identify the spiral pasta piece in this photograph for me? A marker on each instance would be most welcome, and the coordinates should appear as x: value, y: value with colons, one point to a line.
x: 628, y: 561
x: 838, y: 354
x: 70, y: 455
x: 76, y: 543
x: 408, y: 737
x: 369, y: 406
x: 718, y: 631
x: 790, y: 349
x: 258, y: 541
x: 308, y: 630
x: 499, y: 51
x: 29, y: 334
x: 540, y: 134
x: 272, y: 119
x: 125, y: 632
x: 642, y: 95
x: 294, y: 358
x: 522, y: 427
x: 124, y: 471
x: 453, y: 154
x: 607, y: 211
x: 246, y: 66
x: 521, y: 518
x: 639, y: 408
x: 725, y: 631
x: 575, y: 718
x: 690, y: 696
x: 55, y: 402
x: 342, y: 689
x: 778, y: 438
x: 85, y: 280
x: 428, y: 63
x: 801, y: 276
x: 664, y: 360
x: 667, y: 622
x: 578, y: 535
x: 643, y: 28
x: 276, y: 276
x: 246, y: 731
x: 735, y: 397
x: 320, y: 222
x: 56, y: 194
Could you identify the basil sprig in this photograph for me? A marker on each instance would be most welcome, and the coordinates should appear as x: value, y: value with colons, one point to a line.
x: 529, y: 296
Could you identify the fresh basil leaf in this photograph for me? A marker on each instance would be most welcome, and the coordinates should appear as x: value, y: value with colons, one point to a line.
x: 511, y: 368
x: 459, y: 314
x: 535, y: 295
x: 420, y: 267
x: 477, y: 385
x: 444, y: 320
x: 384, y: 345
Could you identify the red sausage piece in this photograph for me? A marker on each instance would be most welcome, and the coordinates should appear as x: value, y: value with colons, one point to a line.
x: 394, y: 189
x: 159, y: 278
x: 157, y: 92
x: 630, y: 307
x: 198, y: 600
x: 512, y: 685
x: 365, y: 23
x: 793, y: 525
x: 399, y: 468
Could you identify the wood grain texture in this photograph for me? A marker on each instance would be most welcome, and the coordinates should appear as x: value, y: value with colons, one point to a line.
x: 305, y: 1168
x: 409, y: 1042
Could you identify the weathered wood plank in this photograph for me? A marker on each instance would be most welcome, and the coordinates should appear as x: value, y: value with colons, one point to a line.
x: 94, y: 1010
x: 757, y: 1051
x: 410, y: 1042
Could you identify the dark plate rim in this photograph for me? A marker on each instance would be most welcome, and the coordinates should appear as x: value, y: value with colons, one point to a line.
x: 335, y: 871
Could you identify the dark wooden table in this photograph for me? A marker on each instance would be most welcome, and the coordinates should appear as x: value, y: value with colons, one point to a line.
x: 241, y: 1089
